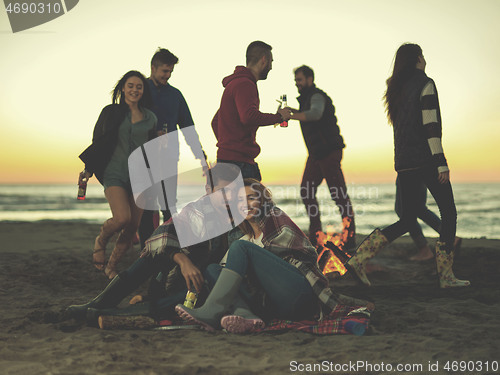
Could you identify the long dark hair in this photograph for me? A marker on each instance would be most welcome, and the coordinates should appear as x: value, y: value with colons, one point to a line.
x: 117, y: 94
x: 265, y: 196
x: 404, y: 67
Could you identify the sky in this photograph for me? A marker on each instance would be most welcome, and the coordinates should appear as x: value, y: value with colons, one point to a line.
x: 55, y: 78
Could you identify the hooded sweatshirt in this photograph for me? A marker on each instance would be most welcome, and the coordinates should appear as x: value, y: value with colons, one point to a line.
x: 236, y: 122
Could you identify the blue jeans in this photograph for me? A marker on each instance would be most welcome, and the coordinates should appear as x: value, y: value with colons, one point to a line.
x: 247, y: 170
x: 290, y: 294
x: 410, y: 181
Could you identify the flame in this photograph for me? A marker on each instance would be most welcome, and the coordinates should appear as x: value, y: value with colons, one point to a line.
x: 334, y: 264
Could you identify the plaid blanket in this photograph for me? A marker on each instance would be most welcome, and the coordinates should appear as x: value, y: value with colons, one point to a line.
x: 334, y: 323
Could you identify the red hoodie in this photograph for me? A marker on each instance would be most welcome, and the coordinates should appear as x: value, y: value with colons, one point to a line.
x: 236, y: 122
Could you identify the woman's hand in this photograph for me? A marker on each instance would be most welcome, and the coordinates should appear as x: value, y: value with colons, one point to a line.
x: 191, y: 273
x: 84, y: 175
x: 444, y: 177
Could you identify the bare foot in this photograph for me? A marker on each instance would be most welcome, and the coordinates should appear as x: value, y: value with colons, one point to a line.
x: 425, y: 253
x: 136, y: 299
x: 110, y: 272
x: 98, y: 255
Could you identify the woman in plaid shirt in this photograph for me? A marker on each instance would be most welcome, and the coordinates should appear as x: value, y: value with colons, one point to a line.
x: 274, y: 257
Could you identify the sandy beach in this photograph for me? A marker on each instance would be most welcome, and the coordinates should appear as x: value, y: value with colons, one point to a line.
x: 45, y: 267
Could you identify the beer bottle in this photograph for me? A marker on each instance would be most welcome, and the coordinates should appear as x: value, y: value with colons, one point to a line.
x: 82, y: 189
x: 284, y: 104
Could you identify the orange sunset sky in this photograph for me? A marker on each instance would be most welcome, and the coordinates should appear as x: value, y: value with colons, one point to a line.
x: 56, y: 78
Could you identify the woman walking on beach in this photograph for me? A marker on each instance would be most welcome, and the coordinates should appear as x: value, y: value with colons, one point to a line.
x: 122, y: 126
x: 275, y: 259
x: 413, y: 110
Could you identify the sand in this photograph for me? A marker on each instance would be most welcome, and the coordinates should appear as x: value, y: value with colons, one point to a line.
x: 45, y: 267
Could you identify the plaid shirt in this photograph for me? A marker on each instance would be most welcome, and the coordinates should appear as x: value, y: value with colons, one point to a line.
x: 197, y: 217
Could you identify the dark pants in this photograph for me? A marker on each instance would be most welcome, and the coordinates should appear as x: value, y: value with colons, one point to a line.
x: 423, y: 213
x: 247, y: 170
x: 147, y: 227
x: 158, y: 306
x: 315, y: 172
x: 410, y: 183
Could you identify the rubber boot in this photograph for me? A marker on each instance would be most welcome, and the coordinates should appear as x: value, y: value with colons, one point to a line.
x: 120, y: 287
x: 242, y: 320
x: 444, y: 263
x: 370, y: 247
x: 123, y: 242
x: 219, y: 302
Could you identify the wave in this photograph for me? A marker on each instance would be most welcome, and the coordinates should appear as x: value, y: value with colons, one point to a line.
x: 478, y: 206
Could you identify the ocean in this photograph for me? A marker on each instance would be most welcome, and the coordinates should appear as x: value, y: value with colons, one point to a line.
x: 478, y: 206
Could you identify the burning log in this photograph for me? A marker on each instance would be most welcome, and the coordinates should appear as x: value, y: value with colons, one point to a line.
x: 341, y: 254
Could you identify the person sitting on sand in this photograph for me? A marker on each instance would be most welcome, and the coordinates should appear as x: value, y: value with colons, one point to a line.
x: 122, y: 126
x: 275, y: 257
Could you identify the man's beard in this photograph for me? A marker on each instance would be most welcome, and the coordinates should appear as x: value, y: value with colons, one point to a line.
x: 264, y: 73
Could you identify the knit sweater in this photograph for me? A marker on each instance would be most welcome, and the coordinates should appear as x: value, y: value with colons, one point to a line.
x: 417, y: 128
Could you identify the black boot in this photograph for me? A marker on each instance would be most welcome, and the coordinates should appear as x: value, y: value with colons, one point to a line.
x: 111, y: 296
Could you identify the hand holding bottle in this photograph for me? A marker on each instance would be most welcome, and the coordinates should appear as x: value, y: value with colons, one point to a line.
x: 285, y: 113
x: 84, y: 175
x: 83, y: 178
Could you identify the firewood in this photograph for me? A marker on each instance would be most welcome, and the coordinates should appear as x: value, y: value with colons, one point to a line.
x: 126, y: 322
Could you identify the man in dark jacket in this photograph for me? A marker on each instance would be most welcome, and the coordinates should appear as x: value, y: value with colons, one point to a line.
x: 236, y: 122
x: 173, y: 114
x: 324, y: 145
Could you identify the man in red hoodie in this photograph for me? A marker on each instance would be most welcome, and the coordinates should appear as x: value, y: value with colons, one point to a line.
x: 236, y: 122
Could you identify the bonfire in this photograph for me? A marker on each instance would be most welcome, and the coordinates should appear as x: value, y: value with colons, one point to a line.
x: 330, y: 247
